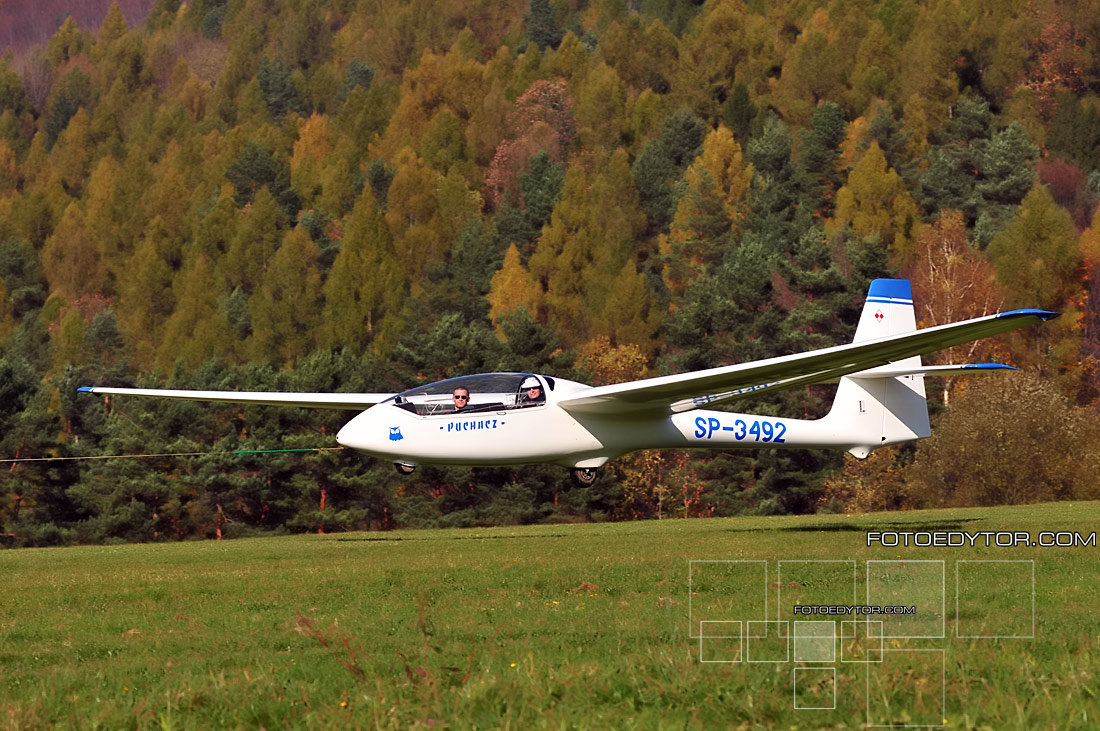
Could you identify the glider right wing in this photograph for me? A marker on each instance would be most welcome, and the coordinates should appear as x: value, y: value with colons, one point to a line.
x: 687, y: 391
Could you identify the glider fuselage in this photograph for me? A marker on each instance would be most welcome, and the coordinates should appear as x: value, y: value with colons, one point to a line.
x: 549, y: 433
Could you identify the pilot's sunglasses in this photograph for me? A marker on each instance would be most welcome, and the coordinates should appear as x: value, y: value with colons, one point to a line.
x: 462, y: 398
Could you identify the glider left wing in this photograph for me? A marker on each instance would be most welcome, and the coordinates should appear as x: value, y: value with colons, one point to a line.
x: 308, y: 400
x: 687, y: 391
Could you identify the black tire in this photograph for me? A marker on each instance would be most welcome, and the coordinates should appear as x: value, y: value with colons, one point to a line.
x: 583, y: 476
x: 404, y: 469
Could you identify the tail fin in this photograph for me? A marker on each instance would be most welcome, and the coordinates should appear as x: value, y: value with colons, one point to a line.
x: 879, y: 410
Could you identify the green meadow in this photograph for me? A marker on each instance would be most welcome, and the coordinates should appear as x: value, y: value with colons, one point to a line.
x: 554, y: 626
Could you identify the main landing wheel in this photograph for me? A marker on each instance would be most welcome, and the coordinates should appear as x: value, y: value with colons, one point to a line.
x: 583, y: 476
x: 404, y: 469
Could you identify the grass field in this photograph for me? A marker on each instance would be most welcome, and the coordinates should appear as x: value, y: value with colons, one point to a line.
x: 583, y: 626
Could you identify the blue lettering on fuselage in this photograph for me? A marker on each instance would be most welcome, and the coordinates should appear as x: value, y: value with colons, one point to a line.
x: 474, y: 425
x: 758, y: 430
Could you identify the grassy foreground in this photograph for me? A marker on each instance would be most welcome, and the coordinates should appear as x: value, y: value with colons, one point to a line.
x: 581, y: 626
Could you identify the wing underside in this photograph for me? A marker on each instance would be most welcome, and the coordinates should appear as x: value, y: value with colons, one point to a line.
x: 307, y: 400
x: 688, y: 391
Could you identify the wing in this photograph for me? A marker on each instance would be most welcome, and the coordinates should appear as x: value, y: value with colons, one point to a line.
x: 688, y: 391
x: 308, y: 400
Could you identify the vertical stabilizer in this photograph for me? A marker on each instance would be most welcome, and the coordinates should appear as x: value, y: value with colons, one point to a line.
x: 883, y: 410
x: 888, y: 310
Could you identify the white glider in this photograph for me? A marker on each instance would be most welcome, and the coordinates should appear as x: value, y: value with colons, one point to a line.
x: 519, y: 418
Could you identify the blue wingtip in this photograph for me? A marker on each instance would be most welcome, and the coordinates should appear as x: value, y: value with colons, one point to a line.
x: 1043, y: 315
x: 86, y: 389
x: 990, y: 367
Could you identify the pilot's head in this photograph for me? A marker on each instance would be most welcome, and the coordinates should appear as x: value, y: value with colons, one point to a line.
x: 461, y: 397
x: 531, y: 388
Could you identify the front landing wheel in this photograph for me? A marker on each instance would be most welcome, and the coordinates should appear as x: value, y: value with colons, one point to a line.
x: 583, y: 476
x: 404, y: 469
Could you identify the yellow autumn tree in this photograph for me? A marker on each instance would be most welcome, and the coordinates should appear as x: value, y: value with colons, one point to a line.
x: 592, y: 234
x: 195, y: 331
x: 874, y: 202
x: 286, y: 309
x: 69, y: 257
x: 712, y: 206
x: 71, y: 156
x: 309, y: 159
x: 630, y: 315
x: 512, y: 288
x: 365, y: 289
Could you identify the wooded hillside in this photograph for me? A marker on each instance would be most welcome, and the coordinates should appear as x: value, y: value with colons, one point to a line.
x: 364, y: 196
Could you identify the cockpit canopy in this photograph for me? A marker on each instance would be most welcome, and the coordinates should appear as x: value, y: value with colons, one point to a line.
x: 488, y: 392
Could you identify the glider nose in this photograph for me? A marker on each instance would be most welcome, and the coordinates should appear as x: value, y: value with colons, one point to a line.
x: 353, y: 435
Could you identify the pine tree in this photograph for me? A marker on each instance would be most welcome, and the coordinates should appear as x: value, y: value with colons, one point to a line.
x: 196, y: 331
x: 542, y: 26
x: 820, y: 153
x: 286, y: 309
x: 364, y: 290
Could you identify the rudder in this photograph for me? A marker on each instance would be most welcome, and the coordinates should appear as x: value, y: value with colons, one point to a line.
x: 879, y: 410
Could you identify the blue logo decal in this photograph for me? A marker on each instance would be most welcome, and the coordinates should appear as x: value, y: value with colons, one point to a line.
x: 395, y: 434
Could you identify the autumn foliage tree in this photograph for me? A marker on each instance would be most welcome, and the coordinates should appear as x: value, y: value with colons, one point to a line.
x: 365, y: 196
x: 952, y: 280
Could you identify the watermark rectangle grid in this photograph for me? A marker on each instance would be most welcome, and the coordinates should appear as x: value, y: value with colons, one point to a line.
x: 783, y: 633
x: 794, y: 690
x: 943, y: 693
x: 854, y: 623
x: 943, y: 597
x: 779, y: 579
x: 810, y: 637
x: 727, y: 633
x: 692, y: 621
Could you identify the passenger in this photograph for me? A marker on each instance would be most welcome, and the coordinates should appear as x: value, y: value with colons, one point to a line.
x: 461, y: 397
x: 531, y: 392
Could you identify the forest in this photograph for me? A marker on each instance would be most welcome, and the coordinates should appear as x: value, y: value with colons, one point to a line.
x: 367, y: 195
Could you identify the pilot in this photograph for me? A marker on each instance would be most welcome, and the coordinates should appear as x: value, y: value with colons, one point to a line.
x: 461, y: 397
x: 531, y: 392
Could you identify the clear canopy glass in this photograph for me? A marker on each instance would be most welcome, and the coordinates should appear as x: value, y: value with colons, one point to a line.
x: 487, y: 392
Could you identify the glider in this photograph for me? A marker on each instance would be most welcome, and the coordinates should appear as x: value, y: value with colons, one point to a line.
x: 519, y: 418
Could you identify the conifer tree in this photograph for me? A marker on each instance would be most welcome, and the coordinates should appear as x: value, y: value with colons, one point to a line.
x: 309, y: 160
x: 1036, y: 254
x: 512, y: 288
x: 874, y: 202
x: 286, y: 309
x: 69, y: 258
x: 710, y: 210
x: 365, y: 289
x: 146, y: 298
x: 196, y: 331
x: 542, y: 26
x: 254, y: 242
